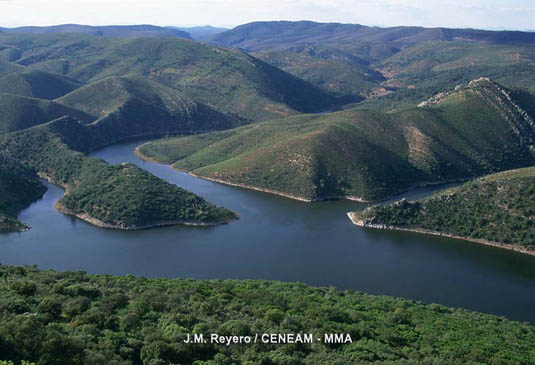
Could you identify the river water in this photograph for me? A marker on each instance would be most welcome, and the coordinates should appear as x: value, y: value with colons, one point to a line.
x: 279, y: 239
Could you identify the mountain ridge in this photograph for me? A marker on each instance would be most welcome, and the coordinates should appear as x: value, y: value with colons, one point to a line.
x: 115, y: 31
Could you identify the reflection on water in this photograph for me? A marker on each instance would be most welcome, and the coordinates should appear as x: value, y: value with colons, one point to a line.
x: 280, y: 239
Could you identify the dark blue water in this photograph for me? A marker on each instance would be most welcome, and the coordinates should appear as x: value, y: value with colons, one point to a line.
x: 280, y: 239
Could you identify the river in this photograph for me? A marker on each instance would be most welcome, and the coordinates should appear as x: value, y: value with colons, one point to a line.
x: 279, y: 239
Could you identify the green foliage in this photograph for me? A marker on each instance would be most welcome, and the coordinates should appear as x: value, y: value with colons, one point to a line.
x: 127, y: 196
x: 138, y: 320
x: 499, y: 208
x: 415, y: 62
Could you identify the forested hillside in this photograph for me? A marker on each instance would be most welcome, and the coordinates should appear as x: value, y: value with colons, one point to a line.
x: 477, y: 129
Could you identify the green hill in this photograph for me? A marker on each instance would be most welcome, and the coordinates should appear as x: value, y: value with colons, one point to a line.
x: 476, y: 130
x: 413, y: 62
x: 497, y: 208
x: 75, y: 318
x: 333, y: 70
x: 429, y: 68
x: 19, y: 112
x: 230, y: 81
x: 374, y: 42
x: 37, y: 84
x: 124, y: 107
x: 114, y: 31
x: 119, y: 196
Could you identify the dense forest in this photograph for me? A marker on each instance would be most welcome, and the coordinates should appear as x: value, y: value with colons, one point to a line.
x: 51, y: 317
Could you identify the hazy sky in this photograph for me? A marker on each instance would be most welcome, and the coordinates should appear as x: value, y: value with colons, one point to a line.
x: 512, y: 14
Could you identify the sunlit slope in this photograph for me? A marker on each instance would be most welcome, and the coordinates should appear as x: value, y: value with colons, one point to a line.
x: 424, y: 69
x: 363, y: 154
x: 137, y: 103
x: 19, y: 112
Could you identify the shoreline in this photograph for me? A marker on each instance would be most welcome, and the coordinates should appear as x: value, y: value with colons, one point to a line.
x: 98, y: 223
x: 504, y: 246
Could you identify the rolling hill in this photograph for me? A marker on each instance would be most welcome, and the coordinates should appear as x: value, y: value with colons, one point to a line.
x: 37, y: 84
x: 228, y: 80
x: 477, y: 129
x: 497, y: 209
x: 135, y: 106
x: 19, y: 112
x: 114, y: 31
x: 412, y: 62
x: 7, y: 68
x: 333, y: 70
x: 374, y: 42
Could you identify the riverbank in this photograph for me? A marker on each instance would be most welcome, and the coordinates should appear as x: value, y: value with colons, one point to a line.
x: 361, y: 223
x: 138, y: 153
x: 97, y: 222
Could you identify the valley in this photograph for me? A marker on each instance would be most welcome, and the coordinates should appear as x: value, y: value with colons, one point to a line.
x: 202, y: 179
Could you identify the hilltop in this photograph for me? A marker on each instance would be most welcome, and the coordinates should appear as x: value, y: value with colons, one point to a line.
x: 365, y: 155
x: 134, y: 106
x: 231, y: 81
x: 113, y: 31
x: 257, y: 36
x: 497, y: 209
x: 50, y: 137
x: 333, y: 70
x: 19, y: 112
